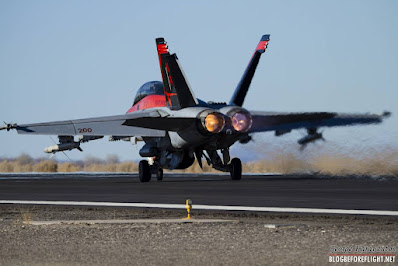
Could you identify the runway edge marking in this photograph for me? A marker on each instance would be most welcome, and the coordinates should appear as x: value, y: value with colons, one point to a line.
x: 203, y: 207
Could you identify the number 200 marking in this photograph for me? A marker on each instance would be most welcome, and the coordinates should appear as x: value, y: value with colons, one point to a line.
x: 85, y: 130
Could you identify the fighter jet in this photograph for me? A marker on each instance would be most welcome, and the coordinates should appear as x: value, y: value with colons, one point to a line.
x: 177, y: 127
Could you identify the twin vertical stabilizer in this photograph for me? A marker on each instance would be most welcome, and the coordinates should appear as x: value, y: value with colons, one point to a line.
x: 241, y: 90
x: 176, y: 87
x: 177, y: 91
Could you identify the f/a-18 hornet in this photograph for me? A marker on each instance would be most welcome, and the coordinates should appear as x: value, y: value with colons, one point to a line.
x: 177, y: 127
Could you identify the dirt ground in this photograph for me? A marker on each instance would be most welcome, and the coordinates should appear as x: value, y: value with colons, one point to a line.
x: 248, y: 240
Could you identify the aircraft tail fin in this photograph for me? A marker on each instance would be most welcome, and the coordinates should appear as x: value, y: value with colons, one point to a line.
x: 241, y: 90
x: 177, y: 91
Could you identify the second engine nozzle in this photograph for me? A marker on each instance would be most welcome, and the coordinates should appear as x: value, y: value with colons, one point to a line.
x: 214, y: 122
x: 242, y: 121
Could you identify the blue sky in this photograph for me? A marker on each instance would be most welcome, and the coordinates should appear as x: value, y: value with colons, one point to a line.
x: 76, y: 59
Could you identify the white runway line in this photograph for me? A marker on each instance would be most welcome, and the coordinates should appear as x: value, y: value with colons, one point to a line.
x: 202, y: 207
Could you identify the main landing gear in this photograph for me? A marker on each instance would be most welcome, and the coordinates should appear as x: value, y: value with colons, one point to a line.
x: 145, y: 171
x: 234, y: 167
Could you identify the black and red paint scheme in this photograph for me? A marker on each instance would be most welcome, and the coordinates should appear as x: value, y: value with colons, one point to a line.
x: 177, y: 127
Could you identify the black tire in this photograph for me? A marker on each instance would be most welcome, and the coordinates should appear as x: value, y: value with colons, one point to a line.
x: 144, y: 171
x: 236, y: 169
x: 159, y: 174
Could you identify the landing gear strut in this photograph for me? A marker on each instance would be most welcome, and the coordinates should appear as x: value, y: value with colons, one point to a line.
x: 234, y: 167
x: 159, y: 174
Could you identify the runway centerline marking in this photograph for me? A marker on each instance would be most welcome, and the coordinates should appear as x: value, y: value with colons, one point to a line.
x: 203, y: 207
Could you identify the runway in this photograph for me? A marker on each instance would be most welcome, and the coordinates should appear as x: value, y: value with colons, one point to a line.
x: 259, y: 191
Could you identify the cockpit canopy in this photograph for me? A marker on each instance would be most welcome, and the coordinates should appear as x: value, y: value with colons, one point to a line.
x: 149, y: 88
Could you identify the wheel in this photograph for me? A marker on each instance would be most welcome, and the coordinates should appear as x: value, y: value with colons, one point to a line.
x: 236, y: 169
x: 159, y: 174
x: 144, y: 171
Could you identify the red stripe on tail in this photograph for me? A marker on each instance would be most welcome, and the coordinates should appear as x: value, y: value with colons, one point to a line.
x: 262, y: 45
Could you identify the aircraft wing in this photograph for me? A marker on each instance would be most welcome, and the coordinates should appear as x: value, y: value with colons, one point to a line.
x: 284, y: 122
x: 156, y: 124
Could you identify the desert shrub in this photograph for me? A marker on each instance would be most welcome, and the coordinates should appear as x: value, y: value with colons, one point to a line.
x: 376, y: 161
x: 110, y: 167
x: 91, y: 160
x: 24, y: 159
x: 23, y: 167
x: 6, y: 166
x: 45, y: 166
x: 127, y: 167
x: 112, y: 159
x: 68, y: 167
x: 195, y: 168
x: 94, y: 168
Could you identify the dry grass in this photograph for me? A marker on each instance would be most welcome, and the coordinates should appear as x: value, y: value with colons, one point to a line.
x: 45, y: 166
x: 26, y: 217
x: 68, y: 167
x: 378, y: 163
x: 111, y: 167
x: 375, y: 162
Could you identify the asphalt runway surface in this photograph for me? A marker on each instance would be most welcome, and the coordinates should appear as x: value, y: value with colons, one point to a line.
x: 260, y: 238
x: 298, y: 191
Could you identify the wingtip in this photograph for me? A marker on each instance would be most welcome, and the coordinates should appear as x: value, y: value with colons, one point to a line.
x: 8, y: 126
x: 386, y: 114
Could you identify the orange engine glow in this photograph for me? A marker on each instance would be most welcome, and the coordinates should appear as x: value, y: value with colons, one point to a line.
x: 214, y: 122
